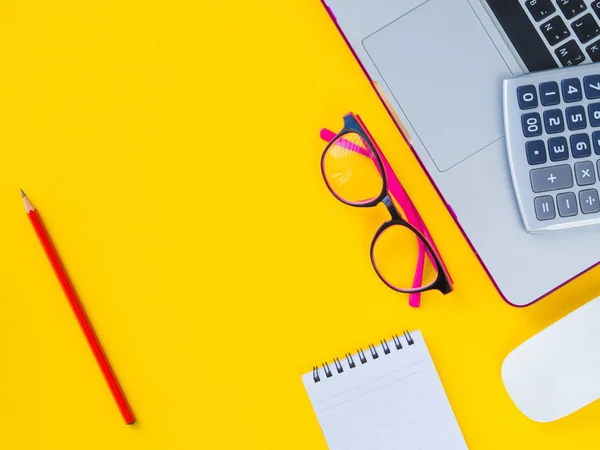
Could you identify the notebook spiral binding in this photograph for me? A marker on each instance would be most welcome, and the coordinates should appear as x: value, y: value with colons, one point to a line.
x: 362, y: 357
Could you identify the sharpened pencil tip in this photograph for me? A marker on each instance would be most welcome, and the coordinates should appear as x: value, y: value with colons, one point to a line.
x: 23, y: 194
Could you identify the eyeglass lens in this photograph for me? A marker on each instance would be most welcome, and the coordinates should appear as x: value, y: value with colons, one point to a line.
x: 396, y: 256
x: 352, y: 171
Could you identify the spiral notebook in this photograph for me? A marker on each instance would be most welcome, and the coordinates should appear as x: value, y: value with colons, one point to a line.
x: 387, y: 397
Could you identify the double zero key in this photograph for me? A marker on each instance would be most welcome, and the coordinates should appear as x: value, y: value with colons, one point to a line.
x: 532, y: 124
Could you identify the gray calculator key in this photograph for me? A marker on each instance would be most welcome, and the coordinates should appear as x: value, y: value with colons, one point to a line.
x: 589, y: 201
x: 551, y: 178
x: 544, y: 207
x: 585, y: 173
x: 567, y: 204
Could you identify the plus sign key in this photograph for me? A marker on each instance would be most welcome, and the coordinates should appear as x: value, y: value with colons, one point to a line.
x: 589, y: 201
x: 551, y: 178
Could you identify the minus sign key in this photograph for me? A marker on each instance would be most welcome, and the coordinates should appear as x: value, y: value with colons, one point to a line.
x: 549, y: 93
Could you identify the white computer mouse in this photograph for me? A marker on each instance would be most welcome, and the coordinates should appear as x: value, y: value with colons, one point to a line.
x: 557, y: 371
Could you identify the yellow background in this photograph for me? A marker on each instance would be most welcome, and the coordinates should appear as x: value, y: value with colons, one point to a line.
x: 172, y: 148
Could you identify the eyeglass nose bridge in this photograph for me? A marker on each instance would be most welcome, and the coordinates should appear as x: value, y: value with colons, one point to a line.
x: 389, y: 204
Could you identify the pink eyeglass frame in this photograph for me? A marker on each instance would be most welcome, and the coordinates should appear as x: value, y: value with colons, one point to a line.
x: 397, y: 191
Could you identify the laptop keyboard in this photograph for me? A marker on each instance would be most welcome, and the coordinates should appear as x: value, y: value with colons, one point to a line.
x: 570, y: 28
x: 551, y: 33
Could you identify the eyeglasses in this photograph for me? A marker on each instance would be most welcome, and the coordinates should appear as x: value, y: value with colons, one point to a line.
x: 403, y: 252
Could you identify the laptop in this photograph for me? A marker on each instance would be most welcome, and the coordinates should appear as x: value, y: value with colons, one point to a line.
x: 439, y: 66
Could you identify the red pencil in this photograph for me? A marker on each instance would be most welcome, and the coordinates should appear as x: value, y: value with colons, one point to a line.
x: 84, y: 322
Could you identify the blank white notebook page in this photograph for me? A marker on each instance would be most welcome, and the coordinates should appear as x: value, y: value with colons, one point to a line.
x: 393, y: 401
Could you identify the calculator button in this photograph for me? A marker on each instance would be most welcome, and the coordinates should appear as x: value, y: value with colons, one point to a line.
x: 531, y: 124
x: 585, y: 173
x: 594, y: 114
x: 544, y: 207
x: 594, y: 51
x: 536, y: 152
x: 527, y: 96
x: 558, y: 149
x: 567, y: 204
x: 571, y: 90
x: 586, y: 28
x: 553, y: 121
x: 589, y: 201
x: 540, y: 8
x: 576, y: 117
x: 569, y: 54
x: 591, y: 84
x: 549, y: 94
x: 580, y: 146
x: 555, y: 30
x: 596, y: 142
x: 551, y: 178
x: 571, y: 8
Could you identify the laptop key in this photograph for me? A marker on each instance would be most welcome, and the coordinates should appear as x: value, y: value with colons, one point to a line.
x: 596, y: 8
x: 593, y: 50
x: 571, y: 8
x: 569, y: 54
x: 544, y: 207
x: 551, y: 178
x: 586, y: 28
x: 555, y: 30
x: 540, y: 8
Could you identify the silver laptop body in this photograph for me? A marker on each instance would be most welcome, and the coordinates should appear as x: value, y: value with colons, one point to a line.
x: 441, y: 64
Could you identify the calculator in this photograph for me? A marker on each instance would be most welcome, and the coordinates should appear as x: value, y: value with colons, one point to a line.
x: 552, y: 126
